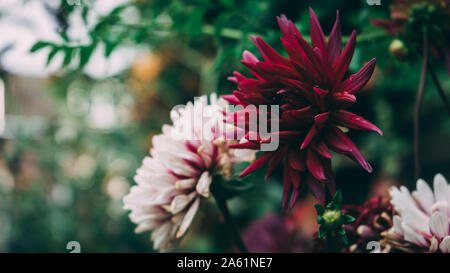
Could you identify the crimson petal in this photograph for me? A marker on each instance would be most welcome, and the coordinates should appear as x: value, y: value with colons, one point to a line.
x: 334, y: 44
x: 353, y: 121
x: 357, y: 81
x: 342, y: 63
x: 341, y: 143
x: 317, y: 36
x: 315, y: 166
x: 257, y: 164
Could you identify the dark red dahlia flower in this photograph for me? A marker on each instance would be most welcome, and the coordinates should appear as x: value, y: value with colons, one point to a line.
x: 310, y: 88
x: 372, y: 218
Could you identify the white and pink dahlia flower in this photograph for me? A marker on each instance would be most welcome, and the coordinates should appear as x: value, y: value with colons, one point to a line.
x: 178, y: 173
x: 422, y: 218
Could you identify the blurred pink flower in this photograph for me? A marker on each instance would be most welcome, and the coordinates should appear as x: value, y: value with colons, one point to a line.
x: 178, y: 173
x: 422, y: 218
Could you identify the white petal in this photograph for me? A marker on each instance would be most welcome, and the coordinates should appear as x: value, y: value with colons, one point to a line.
x: 440, y: 187
x: 439, y: 225
x: 434, y: 244
x: 401, y: 199
x: 180, y: 202
x: 416, y: 219
x: 398, y: 225
x: 424, y: 195
x: 441, y: 206
x: 188, y: 218
x: 413, y: 236
x: 365, y: 232
x: 185, y: 183
x: 445, y: 245
x: 203, y: 184
x: 160, y: 235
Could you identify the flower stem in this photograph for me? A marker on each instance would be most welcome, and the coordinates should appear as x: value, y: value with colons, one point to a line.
x: 223, y: 207
x: 439, y: 89
x: 330, y: 240
x: 422, y: 83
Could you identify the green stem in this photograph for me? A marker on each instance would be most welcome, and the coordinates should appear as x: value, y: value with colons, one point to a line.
x: 439, y: 88
x: 330, y: 241
x: 420, y: 91
x: 223, y: 207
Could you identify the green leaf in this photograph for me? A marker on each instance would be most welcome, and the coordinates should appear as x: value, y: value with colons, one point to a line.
x: 52, y: 54
x: 319, y: 209
x: 227, y: 3
x: 320, y: 220
x: 195, y: 22
x: 343, y: 239
x: 322, y: 232
x: 39, y: 45
x: 349, y: 219
x: 341, y: 232
x: 68, y: 52
x: 85, y: 55
x: 336, y: 202
x: 228, y: 189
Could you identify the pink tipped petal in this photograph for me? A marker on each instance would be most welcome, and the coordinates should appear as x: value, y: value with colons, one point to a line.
x: 342, y: 63
x: 257, y: 164
x: 334, y: 44
x: 248, y: 57
x: 358, y: 80
x: 353, y: 121
x: 315, y: 165
x: 439, y: 225
x: 231, y: 99
x: 317, y: 36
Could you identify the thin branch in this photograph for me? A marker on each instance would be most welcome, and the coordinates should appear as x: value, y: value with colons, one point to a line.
x: 439, y: 89
x: 223, y: 207
x: 422, y: 84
